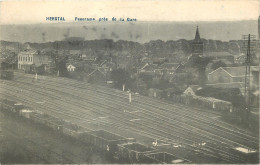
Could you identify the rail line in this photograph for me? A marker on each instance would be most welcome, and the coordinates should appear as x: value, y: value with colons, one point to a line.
x: 142, y: 110
x: 150, y: 128
x: 182, y: 113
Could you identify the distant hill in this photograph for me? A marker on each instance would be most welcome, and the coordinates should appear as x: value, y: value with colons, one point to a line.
x: 141, y: 32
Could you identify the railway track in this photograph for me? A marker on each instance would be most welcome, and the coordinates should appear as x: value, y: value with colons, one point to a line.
x: 144, y: 111
x: 198, y: 119
x: 151, y: 129
x: 150, y: 101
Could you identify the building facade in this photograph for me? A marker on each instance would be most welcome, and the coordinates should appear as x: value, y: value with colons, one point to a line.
x: 28, y: 58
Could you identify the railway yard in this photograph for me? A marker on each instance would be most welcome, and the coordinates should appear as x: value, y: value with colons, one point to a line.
x: 189, y: 134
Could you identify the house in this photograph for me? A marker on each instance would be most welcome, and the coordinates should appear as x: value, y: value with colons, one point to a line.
x: 29, y: 57
x: 191, y: 90
x: 107, y: 66
x: 169, y: 65
x: 148, y: 68
x: 75, y: 53
x: 98, y: 77
x: 170, y: 92
x: 220, y: 56
x: 233, y: 77
x: 147, y: 60
x: 227, y: 75
x: 240, y: 59
x: 70, y: 67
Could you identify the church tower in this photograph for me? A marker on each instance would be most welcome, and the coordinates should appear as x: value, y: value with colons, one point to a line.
x: 197, y: 44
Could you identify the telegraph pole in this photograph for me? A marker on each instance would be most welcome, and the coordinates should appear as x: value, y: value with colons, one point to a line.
x: 249, y: 43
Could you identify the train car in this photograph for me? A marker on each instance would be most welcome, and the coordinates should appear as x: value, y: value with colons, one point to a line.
x: 11, y: 106
x: 207, y: 102
x: 39, y: 117
x: 54, y: 123
x: 73, y: 130
x: 134, y: 152
x: 223, y: 106
x: 7, y: 75
x: 103, y: 140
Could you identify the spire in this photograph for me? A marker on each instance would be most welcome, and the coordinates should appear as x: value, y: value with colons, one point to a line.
x: 197, y: 36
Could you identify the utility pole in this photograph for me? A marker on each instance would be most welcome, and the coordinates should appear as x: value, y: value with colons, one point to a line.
x: 249, y: 43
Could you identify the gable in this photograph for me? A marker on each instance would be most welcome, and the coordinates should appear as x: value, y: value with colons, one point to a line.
x: 220, y: 70
x: 71, y: 67
x: 189, y: 91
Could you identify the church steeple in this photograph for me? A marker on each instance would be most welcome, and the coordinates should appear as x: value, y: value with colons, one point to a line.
x: 197, y: 44
x: 197, y: 36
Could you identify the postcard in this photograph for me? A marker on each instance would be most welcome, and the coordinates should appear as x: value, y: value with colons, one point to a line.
x: 129, y: 82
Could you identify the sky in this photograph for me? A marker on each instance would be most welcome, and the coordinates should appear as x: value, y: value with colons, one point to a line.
x: 25, y: 21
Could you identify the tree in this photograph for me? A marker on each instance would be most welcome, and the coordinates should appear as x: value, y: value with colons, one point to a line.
x: 120, y: 77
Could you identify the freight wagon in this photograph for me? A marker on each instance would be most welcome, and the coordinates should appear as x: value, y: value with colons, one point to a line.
x: 39, y: 117
x: 208, y: 102
x: 7, y: 75
x: 166, y: 158
x: 135, y: 153
x: 73, y: 130
x: 11, y: 106
x: 54, y: 123
x: 104, y: 140
x: 46, y: 120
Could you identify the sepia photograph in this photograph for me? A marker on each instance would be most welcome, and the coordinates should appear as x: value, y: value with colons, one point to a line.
x: 129, y: 82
